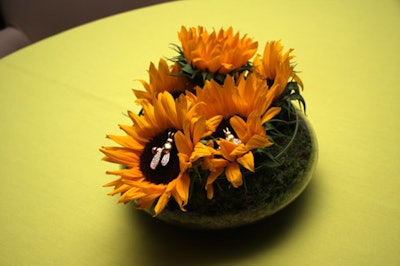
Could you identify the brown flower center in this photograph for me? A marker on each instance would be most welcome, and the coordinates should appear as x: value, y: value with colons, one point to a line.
x: 159, y: 160
x: 270, y: 82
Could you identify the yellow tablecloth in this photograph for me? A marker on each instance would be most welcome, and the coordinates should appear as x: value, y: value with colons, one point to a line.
x: 61, y: 96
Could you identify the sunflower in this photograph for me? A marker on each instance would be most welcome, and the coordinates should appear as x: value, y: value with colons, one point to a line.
x: 236, y: 152
x: 240, y: 96
x: 275, y: 68
x: 245, y: 107
x: 222, y: 52
x: 163, y: 78
x: 157, y: 152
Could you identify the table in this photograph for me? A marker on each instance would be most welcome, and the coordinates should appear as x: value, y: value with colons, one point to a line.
x: 61, y: 96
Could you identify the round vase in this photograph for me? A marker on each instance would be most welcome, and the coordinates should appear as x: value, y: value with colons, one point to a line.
x: 264, y: 192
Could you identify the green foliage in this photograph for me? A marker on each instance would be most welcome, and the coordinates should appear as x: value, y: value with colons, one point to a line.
x: 290, y: 94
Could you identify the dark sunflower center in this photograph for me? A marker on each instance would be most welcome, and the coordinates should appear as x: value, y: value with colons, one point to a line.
x: 159, y: 160
x: 219, y: 132
x: 176, y: 94
x: 270, y: 82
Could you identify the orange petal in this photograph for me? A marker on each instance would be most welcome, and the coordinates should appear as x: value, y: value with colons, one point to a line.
x: 200, y: 150
x: 257, y: 141
x: 182, y: 144
x: 226, y: 148
x: 213, y: 123
x: 234, y: 175
x: 162, y: 202
x: 210, y: 180
x: 181, y: 191
x: 247, y: 161
x: 239, y: 126
x: 273, y: 111
x: 199, y: 127
x: 240, y: 150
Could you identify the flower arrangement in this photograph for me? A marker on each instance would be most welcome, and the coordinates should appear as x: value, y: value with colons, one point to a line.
x: 214, y: 124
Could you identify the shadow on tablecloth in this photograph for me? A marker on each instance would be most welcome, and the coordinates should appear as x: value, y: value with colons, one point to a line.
x: 166, y: 245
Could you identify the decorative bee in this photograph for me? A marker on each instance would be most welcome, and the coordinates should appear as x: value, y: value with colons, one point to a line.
x: 230, y: 137
x: 156, y: 158
x: 165, y: 150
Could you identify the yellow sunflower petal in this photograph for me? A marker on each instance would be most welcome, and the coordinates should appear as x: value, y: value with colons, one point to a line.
x: 126, y: 141
x: 210, y: 180
x: 182, y: 143
x: 165, y: 112
x: 226, y: 149
x: 118, y: 155
x: 234, y: 175
x: 258, y: 141
x: 239, y: 150
x: 162, y: 79
x: 247, y: 161
x: 184, y: 162
x: 239, y: 126
x: 181, y: 191
x: 199, y: 128
x: 161, y: 203
x: 271, y: 112
x: 200, y: 151
x: 213, y: 123
x: 132, y: 194
x: 146, y: 202
x: 131, y: 173
x: 120, y: 189
x: 276, y: 67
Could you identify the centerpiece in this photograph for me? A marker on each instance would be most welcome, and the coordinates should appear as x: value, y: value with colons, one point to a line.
x: 221, y: 139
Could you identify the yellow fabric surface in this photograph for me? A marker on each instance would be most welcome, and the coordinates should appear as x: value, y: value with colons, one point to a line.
x: 61, y: 96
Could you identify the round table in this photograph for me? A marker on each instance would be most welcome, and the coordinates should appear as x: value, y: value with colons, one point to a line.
x: 61, y: 96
